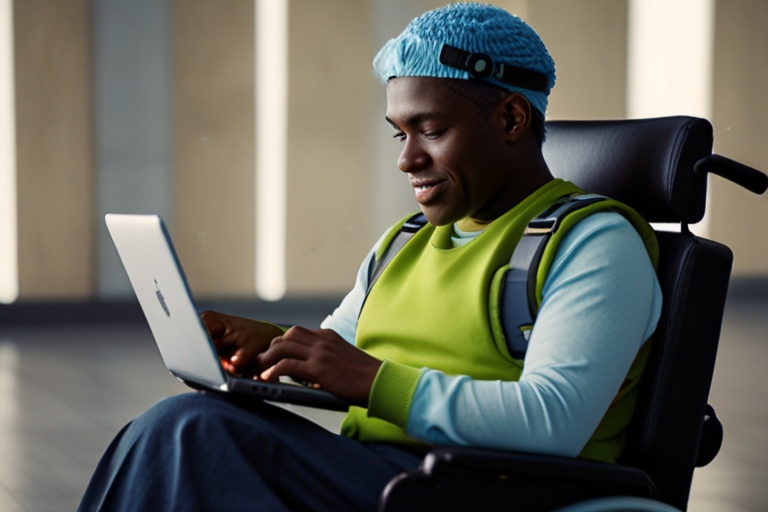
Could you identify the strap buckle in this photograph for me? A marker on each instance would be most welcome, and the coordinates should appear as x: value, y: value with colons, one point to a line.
x: 414, y: 224
x: 540, y: 226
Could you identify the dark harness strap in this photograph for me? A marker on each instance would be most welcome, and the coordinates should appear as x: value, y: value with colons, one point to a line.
x: 517, y: 304
x: 410, y: 228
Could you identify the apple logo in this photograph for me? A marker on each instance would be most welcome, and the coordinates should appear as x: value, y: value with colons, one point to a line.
x: 162, y: 299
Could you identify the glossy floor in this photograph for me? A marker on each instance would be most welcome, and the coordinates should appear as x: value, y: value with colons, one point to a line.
x: 66, y: 390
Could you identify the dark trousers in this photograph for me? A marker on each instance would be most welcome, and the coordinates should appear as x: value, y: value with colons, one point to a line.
x: 205, y: 452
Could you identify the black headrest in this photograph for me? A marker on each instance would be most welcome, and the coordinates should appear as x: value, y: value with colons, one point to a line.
x: 645, y: 163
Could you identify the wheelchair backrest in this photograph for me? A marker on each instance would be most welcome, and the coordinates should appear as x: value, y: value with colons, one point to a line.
x: 649, y: 165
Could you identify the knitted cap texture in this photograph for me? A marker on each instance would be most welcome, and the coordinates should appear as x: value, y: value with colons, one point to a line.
x: 474, y: 28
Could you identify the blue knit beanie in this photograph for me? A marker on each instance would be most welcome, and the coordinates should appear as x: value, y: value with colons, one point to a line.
x: 470, y: 40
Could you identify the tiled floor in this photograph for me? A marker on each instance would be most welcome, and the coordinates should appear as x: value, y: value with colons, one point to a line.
x: 65, y: 391
x: 737, y: 479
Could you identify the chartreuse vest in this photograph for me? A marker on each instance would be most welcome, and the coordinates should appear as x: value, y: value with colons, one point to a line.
x: 437, y: 306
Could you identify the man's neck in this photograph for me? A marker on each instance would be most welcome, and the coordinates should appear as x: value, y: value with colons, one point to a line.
x: 531, y: 172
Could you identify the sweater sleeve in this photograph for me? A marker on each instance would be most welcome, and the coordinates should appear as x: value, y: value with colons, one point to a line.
x: 344, y: 319
x: 601, y: 301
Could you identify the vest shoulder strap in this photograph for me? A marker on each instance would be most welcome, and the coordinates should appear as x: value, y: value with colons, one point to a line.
x: 518, y: 303
x: 378, y: 263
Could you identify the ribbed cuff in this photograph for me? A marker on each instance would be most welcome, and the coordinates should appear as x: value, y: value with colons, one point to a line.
x: 283, y: 328
x: 392, y: 391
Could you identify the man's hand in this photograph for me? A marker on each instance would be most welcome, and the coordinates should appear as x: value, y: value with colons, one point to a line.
x: 322, y: 357
x: 239, y: 340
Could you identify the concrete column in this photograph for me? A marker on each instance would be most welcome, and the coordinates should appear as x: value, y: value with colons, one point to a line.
x: 132, y: 80
x: 738, y: 217
x: 329, y: 108
x: 213, y: 147
x: 330, y: 102
x: 588, y: 41
x: 55, y: 188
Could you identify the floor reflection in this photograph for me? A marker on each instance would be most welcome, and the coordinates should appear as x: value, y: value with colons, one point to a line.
x: 735, y: 480
x: 65, y: 391
x: 9, y: 457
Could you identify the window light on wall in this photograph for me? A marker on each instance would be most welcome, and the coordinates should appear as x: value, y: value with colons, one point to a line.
x: 670, y: 59
x: 271, y: 146
x: 9, y: 270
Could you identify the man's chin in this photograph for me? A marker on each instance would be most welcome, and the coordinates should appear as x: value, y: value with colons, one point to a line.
x: 436, y: 217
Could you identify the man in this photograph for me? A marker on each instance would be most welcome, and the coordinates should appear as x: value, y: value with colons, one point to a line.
x: 421, y: 352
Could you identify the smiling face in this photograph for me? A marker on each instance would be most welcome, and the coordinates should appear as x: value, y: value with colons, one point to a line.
x: 459, y: 159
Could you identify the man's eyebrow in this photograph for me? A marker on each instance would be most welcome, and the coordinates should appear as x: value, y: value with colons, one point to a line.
x: 417, y: 119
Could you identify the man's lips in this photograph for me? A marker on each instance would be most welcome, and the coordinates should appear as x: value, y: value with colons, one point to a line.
x: 426, y: 190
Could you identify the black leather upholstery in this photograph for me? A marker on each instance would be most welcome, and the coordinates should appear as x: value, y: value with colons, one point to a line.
x: 648, y: 164
x: 500, y: 481
x: 664, y: 438
x: 645, y: 163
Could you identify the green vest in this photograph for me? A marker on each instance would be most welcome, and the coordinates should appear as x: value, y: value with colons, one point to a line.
x: 436, y: 306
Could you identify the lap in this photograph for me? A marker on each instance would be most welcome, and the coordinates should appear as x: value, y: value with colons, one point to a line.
x: 211, y: 451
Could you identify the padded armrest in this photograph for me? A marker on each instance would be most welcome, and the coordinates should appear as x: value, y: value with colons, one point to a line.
x: 453, y: 459
x: 457, y: 478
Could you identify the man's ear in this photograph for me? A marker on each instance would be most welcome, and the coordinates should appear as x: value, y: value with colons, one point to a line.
x: 517, y: 115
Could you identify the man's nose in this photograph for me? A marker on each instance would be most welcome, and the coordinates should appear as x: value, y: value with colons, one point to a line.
x: 413, y: 157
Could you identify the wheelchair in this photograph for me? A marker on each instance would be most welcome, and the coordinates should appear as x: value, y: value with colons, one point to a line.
x: 659, y: 167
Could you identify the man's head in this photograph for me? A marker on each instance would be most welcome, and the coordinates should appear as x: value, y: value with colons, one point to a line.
x: 472, y: 42
x: 467, y: 88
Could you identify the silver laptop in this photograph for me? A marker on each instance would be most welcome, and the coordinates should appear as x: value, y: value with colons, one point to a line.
x: 150, y: 260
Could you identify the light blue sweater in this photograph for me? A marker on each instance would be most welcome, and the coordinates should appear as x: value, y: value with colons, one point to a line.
x: 601, y: 301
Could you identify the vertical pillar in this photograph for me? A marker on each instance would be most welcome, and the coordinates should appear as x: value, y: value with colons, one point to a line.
x: 670, y: 58
x: 52, y: 48
x: 271, y: 146
x: 587, y: 40
x: 9, y: 252
x: 330, y: 100
x: 133, y: 130
x: 670, y: 63
x: 213, y: 145
x: 740, y: 111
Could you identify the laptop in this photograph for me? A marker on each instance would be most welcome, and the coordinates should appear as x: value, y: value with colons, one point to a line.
x: 153, y: 268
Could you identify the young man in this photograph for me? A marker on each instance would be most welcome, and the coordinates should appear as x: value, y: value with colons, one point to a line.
x: 421, y: 352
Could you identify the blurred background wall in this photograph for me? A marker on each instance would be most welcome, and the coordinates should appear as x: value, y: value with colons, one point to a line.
x: 148, y: 106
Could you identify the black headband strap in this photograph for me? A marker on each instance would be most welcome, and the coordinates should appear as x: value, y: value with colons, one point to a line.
x: 480, y: 65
